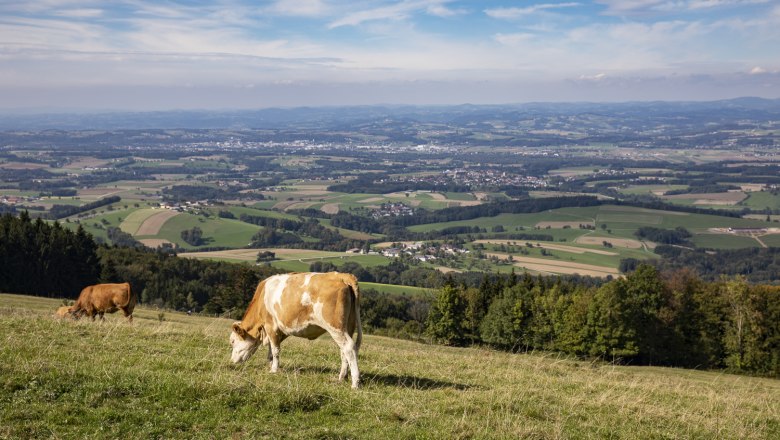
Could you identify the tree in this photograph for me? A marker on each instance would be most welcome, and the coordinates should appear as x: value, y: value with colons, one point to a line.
x: 265, y: 256
x: 193, y: 237
x: 445, y: 321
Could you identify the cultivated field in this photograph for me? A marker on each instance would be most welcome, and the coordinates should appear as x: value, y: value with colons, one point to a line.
x: 151, y: 224
x: 552, y: 266
x: 173, y: 379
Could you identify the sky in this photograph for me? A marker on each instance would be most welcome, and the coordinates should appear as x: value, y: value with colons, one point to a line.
x: 144, y: 55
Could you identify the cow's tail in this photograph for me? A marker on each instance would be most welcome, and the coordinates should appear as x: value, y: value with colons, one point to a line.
x: 356, y: 291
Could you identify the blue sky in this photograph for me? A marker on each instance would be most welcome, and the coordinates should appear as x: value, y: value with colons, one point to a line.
x: 157, y: 55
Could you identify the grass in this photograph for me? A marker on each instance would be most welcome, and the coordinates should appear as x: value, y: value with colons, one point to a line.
x: 173, y: 379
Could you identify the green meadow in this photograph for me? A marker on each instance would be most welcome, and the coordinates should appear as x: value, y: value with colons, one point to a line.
x: 168, y: 375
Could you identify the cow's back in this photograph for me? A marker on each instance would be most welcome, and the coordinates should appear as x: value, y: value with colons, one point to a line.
x: 325, y: 300
x: 106, y: 297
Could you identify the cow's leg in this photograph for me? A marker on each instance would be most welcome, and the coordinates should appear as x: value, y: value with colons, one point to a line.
x: 348, y: 356
x: 128, y: 314
x: 274, y: 341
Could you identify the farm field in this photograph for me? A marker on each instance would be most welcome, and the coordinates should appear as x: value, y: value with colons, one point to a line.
x: 306, y: 195
x: 762, y: 200
x: 173, y: 379
x: 615, y: 224
x: 297, y: 260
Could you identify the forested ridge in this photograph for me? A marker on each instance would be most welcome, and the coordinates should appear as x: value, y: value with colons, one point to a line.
x: 650, y: 317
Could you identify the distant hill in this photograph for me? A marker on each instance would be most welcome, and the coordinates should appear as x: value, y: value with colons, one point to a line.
x: 324, y: 118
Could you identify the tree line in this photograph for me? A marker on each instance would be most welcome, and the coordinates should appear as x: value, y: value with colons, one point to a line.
x: 647, y: 318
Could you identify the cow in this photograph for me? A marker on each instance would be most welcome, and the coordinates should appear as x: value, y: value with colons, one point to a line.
x: 305, y: 305
x: 100, y: 299
x: 62, y: 312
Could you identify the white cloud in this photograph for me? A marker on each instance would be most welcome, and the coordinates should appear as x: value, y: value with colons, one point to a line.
x: 513, y: 39
x: 80, y: 13
x: 302, y: 8
x: 651, y: 7
x: 596, y: 77
x: 758, y: 70
x: 397, y: 11
x: 513, y: 13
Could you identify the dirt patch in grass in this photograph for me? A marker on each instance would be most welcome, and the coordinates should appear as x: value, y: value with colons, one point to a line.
x: 153, y: 224
x: 371, y: 200
x: 618, y: 242
x: 561, y: 225
x: 438, y: 196
x: 330, y: 208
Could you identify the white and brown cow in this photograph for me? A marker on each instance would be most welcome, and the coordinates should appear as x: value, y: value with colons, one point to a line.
x: 305, y: 305
x: 104, y: 298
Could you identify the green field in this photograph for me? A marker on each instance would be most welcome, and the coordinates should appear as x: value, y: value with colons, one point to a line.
x: 771, y: 240
x: 723, y: 241
x: 761, y: 200
x: 173, y: 379
x: 392, y: 288
x: 216, y: 231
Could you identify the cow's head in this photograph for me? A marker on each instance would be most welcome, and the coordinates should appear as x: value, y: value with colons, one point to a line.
x: 244, y: 345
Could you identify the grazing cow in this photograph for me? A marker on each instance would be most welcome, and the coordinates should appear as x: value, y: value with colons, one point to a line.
x: 305, y: 305
x: 104, y: 298
x: 62, y: 312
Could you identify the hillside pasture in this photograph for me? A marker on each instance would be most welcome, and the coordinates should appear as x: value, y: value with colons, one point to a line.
x: 216, y: 231
x: 172, y: 378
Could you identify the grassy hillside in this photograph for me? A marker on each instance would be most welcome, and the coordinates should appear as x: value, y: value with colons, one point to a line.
x: 173, y: 379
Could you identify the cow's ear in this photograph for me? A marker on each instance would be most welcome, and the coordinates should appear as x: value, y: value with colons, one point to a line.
x: 239, y: 331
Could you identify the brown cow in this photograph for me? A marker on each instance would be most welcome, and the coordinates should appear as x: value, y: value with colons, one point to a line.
x: 104, y: 298
x: 305, y: 305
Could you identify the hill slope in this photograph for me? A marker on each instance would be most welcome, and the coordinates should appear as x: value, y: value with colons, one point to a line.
x: 173, y: 379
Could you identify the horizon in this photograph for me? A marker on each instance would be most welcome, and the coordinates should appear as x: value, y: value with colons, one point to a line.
x: 32, y: 112
x: 85, y: 55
